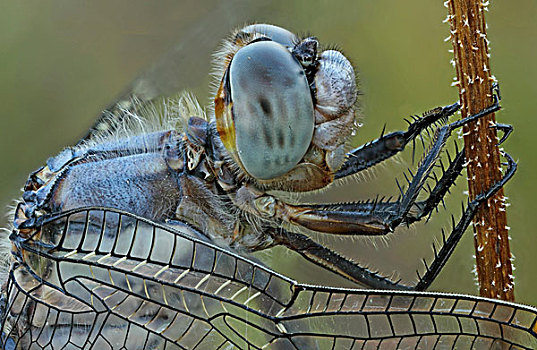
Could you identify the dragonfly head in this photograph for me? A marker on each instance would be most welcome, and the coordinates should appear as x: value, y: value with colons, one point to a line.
x: 284, y: 111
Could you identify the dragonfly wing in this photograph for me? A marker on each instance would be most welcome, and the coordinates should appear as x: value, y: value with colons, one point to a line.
x: 361, y: 319
x: 178, y: 69
x: 105, y: 279
x: 98, y: 279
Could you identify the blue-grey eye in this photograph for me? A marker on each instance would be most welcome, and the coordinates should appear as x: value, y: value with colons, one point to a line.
x: 274, y: 33
x: 272, y: 110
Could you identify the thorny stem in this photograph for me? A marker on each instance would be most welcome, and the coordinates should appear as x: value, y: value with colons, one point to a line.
x: 470, y: 48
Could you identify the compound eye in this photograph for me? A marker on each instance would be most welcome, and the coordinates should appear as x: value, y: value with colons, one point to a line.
x: 272, y: 110
x: 274, y: 33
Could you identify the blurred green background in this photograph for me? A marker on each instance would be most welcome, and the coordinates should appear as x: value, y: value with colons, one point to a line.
x: 61, y: 62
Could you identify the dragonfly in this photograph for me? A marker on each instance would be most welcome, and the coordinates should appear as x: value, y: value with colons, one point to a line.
x: 140, y: 236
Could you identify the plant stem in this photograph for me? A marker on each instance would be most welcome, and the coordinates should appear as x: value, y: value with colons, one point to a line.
x: 470, y: 48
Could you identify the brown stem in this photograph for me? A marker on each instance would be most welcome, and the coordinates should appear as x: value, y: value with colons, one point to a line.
x: 468, y: 36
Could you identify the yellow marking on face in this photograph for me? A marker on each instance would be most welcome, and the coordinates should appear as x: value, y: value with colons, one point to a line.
x: 225, y: 125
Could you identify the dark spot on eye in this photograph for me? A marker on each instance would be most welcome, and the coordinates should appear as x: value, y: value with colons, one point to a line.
x: 267, y: 135
x: 281, y: 139
x: 291, y: 139
x: 265, y: 106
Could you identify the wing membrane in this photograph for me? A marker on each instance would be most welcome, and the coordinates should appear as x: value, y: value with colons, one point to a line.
x: 104, y: 279
x: 179, y: 68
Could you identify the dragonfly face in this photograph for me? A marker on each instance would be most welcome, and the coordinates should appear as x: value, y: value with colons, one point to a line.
x: 137, y: 240
x: 283, y: 110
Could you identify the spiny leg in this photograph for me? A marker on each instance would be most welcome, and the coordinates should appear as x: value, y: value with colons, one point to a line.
x: 325, y: 257
x: 387, y: 146
x: 458, y: 229
x: 449, y: 175
x: 381, y: 210
x: 440, y: 189
x: 383, y: 217
x: 449, y: 244
x: 352, y: 220
x: 333, y: 218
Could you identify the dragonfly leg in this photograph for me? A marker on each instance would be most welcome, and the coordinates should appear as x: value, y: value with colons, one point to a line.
x: 348, y: 219
x: 379, y: 217
x: 458, y: 230
x: 387, y: 146
x: 388, y: 214
x: 437, y: 193
x: 324, y: 257
x: 327, y: 258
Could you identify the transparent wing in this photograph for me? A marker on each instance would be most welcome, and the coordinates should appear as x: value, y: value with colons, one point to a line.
x: 185, y: 66
x: 163, y: 78
x: 104, y: 279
